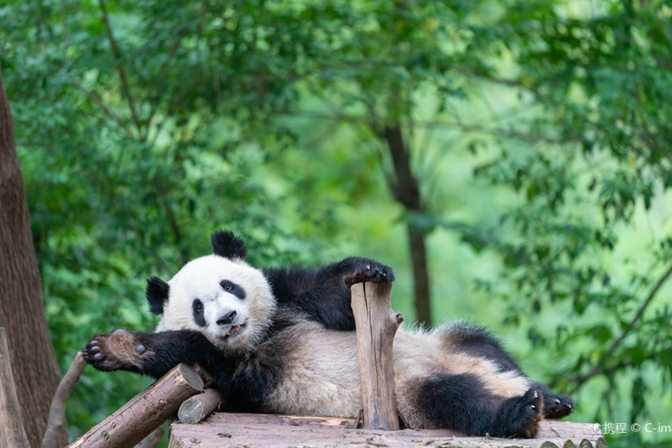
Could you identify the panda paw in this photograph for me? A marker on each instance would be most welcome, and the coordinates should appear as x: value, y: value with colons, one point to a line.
x: 557, y: 406
x: 367, y: 270
x: 118, y: 350
x: 520, y: 416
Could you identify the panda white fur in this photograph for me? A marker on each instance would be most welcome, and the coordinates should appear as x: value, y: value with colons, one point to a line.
x: 283, y: 341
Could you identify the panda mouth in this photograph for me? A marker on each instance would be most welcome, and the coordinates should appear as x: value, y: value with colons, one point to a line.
x: 233, y: 331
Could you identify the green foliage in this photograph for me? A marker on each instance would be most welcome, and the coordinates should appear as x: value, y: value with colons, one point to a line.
x: 604, y: 82
x: 142, y: 126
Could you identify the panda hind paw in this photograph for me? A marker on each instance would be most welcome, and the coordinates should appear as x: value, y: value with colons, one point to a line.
x: 118, y: 350
x: 557, y: 406
x: 520, y: 416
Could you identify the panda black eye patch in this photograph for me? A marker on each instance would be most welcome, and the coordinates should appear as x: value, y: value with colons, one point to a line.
x: 197, y: 307
x: 233, y: 288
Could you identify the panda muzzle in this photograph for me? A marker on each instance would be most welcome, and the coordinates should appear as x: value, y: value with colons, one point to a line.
x: 227, y: 318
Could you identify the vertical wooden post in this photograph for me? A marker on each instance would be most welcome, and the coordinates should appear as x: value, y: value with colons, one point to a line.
x: 376, y: 326
x: 12, y: 432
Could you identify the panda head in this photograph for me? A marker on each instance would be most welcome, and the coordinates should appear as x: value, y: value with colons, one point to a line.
x: 219, y: 295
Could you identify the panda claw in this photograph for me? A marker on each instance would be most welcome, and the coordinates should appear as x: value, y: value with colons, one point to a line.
x: 98, y: 356
x: 140, y: 349
x: 366, y: 270
x: 118, y: 331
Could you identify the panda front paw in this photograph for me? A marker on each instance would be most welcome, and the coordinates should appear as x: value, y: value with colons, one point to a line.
x: 367, y: 270
x: 119, y: 350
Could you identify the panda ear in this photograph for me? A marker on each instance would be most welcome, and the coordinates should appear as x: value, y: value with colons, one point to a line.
x: 157, y: 294
x: 227, y: 245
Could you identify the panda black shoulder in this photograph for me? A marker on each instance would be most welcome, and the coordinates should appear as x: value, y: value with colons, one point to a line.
x: 324, y: 299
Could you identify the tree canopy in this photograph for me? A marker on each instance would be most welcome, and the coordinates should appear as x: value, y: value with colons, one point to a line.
x: 509, y: 159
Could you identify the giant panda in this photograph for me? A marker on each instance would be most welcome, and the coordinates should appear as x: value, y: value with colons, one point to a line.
x: 283, y: 340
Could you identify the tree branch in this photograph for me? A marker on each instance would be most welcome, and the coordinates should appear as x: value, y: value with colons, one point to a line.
x: 57, y: 412
x: 106, y: 110
x: 120, y: 68
x: 598, y: 368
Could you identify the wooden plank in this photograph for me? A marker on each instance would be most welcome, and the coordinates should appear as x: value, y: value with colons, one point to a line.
x: 264, y: 430
x: 12, y: 432
x: 145, y: 412
x: 376, y: 325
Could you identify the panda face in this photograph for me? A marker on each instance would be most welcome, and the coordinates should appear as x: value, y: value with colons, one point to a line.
x: 227, y: 300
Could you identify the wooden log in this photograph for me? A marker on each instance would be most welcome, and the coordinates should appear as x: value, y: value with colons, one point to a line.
x: 145, y: 412
x: 152, y: 440
x: 12, y: 432
x: 57, y: 411
x: 196, y: 408
x: 376, y: 326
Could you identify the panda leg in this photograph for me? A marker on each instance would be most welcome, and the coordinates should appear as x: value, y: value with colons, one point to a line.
x: 462, y: 403
x: 324, y: 293
x: 152, y: 354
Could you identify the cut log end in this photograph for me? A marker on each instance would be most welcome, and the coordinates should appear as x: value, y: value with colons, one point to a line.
x: 198, y: 407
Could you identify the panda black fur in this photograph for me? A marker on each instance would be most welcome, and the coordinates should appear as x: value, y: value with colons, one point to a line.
x: 283, y: 341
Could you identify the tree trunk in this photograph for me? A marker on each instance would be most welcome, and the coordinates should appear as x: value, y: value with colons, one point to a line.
x: 406, y: 190
x: 418, y: 250
x: 21, y: 306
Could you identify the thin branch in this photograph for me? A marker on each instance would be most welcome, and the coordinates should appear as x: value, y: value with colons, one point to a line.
x: 164, y: 76
x: 118, y: 60
x: 64, y: 24
x: 597, y: 369
x: 152, y: 440
x: 172, y: 219
x: 57, y: 411
x: 585, y: 377
x: 106, y: 110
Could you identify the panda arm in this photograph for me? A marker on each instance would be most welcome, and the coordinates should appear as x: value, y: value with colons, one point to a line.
x: 152, y: 354
x: 324, y: 293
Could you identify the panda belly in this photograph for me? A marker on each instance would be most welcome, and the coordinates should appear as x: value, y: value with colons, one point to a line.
x: 320, y: 373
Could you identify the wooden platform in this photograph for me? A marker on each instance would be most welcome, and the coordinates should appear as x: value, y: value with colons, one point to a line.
x: 263, y: 430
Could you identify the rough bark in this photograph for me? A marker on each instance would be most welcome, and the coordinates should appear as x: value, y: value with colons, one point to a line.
x: 405, y: 188
x: 376, y: 326
x: 12, y: 434
x: 21, y: 304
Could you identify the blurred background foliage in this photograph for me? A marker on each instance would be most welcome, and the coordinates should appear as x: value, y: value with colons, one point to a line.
x: 525, y: 144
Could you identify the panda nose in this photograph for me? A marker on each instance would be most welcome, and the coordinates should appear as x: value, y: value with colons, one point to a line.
x: 227, y: 318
